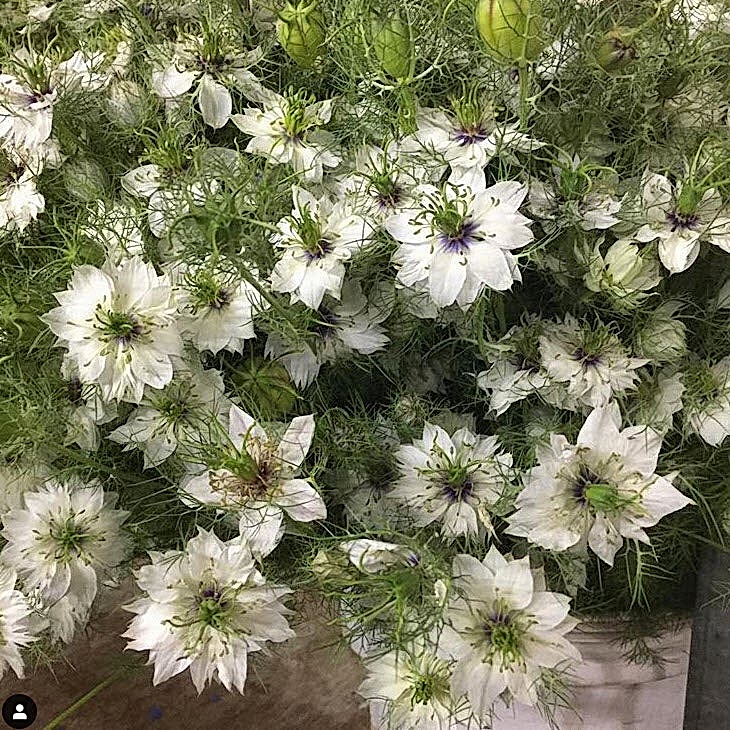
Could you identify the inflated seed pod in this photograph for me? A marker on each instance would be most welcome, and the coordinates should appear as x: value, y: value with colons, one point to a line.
x: 510, y: 29
x: 392, y: 45
x: 300, y: 30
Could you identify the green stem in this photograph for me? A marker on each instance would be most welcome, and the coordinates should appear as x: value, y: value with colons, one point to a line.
x: 56, y: 721
x: 524, y: 76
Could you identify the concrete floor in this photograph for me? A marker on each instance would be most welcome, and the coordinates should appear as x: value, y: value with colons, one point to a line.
x: 305, y: 683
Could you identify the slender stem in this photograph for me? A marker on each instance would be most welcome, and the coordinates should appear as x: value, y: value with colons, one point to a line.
x: 524, y: 77
x: 56, y: 721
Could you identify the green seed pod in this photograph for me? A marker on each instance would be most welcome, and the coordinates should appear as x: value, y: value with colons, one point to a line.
x: 510, y: 29
x: 392, y: 45
x: 266, y: 386
x: 85, y: 179
x: 615, y: 50
x: 300, y: 30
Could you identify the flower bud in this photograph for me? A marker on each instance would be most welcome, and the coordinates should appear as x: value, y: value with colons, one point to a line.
x: 266, y: 385
x: 329, y: 566
x: 662, y: 338
x: 125, y: 103
x: 615, y: 49
x: 510, y: 29
x: 393, y: 46
x: 85, y: 179
x: 300, y: 30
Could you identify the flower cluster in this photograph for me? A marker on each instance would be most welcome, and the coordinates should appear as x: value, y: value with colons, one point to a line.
x: 394, y: 299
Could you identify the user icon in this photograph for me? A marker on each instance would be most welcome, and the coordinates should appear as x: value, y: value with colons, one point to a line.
x: 19, y: 713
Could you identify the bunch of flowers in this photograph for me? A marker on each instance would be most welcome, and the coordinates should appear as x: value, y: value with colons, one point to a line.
x: 418, y: 305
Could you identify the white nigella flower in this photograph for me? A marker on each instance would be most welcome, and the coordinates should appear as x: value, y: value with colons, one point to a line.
x: 516, y: 372
x: 61, y: 540
x: 285, y: 131
x: 217, y: 305
x: 591, y: 361
x: 182, y: 416
x: 26, y: 115
x: 338, y: 329
x: 374, y: 556
x: 459, y: 240
x: 26, y: 106
x: 410, y: 690
x: 255, y: 477
x: 380, y: 181
x: 455, y: 480
x: 215, y: 65
x: 576, y: 195
x: 206, y: 609
x: 625, y: 273
x: 467, y: 140
x: 504, y: 628
x: 708, y: 413
x: 599, y: 491
x: 15, y: 628
x: 119, y: 326
x: 20, y: 201
x: 680, y: 217
x: 317, y: 239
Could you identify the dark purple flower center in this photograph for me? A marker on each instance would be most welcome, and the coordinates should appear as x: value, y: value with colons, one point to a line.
x: 586, y: 358
x: 457, y: 492
x: 460, y: 240
x: 682, y: 221
x: 470, y: 135
x: 317, y: 252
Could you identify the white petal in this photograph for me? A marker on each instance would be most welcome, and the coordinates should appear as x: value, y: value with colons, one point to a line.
x: 215, y: 102
x: 301, y: 501
x: 296, y: 441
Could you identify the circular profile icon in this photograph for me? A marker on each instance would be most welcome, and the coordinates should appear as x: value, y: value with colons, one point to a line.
x: 19, y: 711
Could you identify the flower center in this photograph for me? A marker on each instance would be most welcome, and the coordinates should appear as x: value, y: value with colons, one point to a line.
x: 68, y: 537
x: 310, y: 233
x: 326, y: 323
x: 682, y: 221
x: 456, y: 483
x: 505, y: 636
x: 173, y: 409
x: 121, y: 327
x: 456, y: 231
x: 208, y: 293
x: 385, y: 191
x: 594, y: 492
x: 295, y: 118
x: 244, y: 476
x: 213, y: 609
x: 574, y: 183
x: 586, y: 358
x: 427, y: 686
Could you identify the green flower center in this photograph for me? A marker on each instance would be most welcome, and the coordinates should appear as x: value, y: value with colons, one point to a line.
x: 121, y: 327
x: 449, y: 220
x: 505, y: 636
x: 208, y: 292
x: 427, y: 686
x: 213, y: 609
x: 295, y: 119
x: 69, y: 538
x: 310, y: 234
